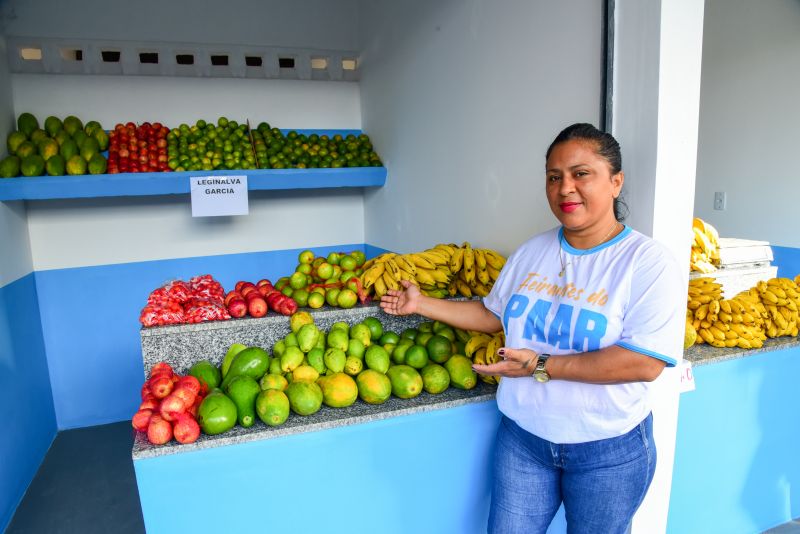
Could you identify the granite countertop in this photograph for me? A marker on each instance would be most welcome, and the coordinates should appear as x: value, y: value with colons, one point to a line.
x: 706, y: 354
x: 325, y: 418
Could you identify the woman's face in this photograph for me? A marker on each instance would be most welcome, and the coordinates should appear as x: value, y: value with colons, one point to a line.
x: 580, y: 187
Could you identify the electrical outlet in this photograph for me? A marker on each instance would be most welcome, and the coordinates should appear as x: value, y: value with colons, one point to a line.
x: 719, y: 200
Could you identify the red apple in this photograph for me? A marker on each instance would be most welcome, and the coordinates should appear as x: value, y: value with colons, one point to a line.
x: 237, y: 308
x: 257, y: 307
x: 231, y: 295
x: 171, y: 405
x: 247, y: 289
x: 159, y: 431
x: 191, y: 383
x: 186, y: 394
x: 162, y: 366
x: 186, y: 429
x: 141, y: 420
x: 149, y: 404
x: 161, y: 386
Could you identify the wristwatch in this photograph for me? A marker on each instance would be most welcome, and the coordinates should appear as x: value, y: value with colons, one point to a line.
x: 540, y: 373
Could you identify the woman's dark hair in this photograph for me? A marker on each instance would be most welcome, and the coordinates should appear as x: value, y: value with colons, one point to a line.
x: 605, y: 145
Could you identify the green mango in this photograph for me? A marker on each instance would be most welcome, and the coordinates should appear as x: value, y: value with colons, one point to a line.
x: 243, y: 391
x: 234, y: 349
x: 207, y: 373
x: 252, y: 362
x: 217, y: 413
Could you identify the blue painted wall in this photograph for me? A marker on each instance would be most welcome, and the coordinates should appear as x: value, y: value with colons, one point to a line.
x: 421, y: 473
x: 736, y: 459
x: 788, y: 261
x: 29, y: 421
x: 90, y: 321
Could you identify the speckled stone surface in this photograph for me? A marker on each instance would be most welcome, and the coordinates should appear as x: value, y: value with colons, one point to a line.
x: 706, y: 354
x: 181, y: 346
x: 326, y: 418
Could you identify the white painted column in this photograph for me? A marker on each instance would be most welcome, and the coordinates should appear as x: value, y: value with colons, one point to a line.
x: 656, y: 99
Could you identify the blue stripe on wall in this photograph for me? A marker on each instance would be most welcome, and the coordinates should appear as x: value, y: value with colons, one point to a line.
x: 788, y: 261
x: 90, y: 321
x: 736, y: 467
x: 29, y: 421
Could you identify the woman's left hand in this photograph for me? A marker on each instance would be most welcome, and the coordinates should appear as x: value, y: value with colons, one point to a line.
x: 515, y: 363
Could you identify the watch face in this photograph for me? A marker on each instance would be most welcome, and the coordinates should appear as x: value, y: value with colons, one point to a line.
x: 541, y: 376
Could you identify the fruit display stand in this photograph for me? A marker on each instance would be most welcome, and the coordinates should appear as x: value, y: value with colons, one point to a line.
x: 390, y: 468
x: 170, y: 183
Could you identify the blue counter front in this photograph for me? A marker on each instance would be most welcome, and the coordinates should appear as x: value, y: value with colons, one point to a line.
x: 737, y: 467
x: 424, y: 473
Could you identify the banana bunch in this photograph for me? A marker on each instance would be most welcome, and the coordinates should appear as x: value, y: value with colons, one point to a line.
x: 482, y: 349
x: 780, y: 298
x: 442, y: 271
x: 735, y: 322
x: 705, y: 248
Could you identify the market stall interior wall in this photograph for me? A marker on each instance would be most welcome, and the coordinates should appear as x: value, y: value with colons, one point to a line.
x: 750, y: 123
x: 464, y: 98
x: 96, y: 260
x: 29, y: 421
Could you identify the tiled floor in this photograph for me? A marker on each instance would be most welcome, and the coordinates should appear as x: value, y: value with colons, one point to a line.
x: 85, y: 485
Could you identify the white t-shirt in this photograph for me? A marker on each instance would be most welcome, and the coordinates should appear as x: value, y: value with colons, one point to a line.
x: 624, y: 292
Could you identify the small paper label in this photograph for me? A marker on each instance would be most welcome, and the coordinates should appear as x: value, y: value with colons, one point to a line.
x: 687, y: 377
x: 214, y: 196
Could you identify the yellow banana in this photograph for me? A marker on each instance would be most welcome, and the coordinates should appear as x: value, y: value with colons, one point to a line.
x: 380, y: 287
x: 494, y: 274
x: 480, y: 259
x: 494, y: 259
x: 713, y: 307
x: 391, y: 283
x: 480, y: 289
x: 422, y: 261
x: 374, y: 272
x: 425, y: 276
x: 457, y: 260
x: 476, y: 342
x: 463, y: 288
x: 404, y: 264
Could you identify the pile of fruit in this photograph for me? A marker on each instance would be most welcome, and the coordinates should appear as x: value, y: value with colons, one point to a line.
x: 442, y: 271
x: 319, y: 279
x: 140, y: 148
x: 705, y: 248
x: 482, y: 348
x: 255, y: 299
x: 60, y: 148
x: 274, y: 150
x: 309, y: 368
x: 207, y: 146
x: 169, y: 406
x: 177, y: 302
x: 767, y: 310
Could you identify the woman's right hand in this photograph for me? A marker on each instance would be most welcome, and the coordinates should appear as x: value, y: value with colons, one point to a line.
x: 402, y: 301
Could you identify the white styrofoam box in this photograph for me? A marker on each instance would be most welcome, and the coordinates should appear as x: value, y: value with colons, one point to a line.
x: 734, y: 251
x: 735, y: 280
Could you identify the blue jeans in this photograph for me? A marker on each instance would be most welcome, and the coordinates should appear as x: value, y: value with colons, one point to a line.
x: 601, y: 483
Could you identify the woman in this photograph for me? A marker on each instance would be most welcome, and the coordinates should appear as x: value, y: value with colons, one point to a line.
x: 592, y: 313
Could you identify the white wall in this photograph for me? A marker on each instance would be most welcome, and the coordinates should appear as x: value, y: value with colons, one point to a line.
x: 462, y: 100
x: 750, y: 119
x: 113, y: 99
x: 76, y: 233
x: 325, y: 24
x: 657, y: 74
x: 15, y: 251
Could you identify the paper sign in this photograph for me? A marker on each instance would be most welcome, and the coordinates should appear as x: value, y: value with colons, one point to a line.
x: 687, y: 377
x: 214, y: 196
